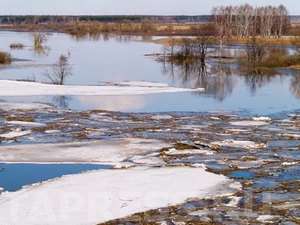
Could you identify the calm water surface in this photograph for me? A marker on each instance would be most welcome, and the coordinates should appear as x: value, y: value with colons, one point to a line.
x: 14, y: 176
x: 101, y: 60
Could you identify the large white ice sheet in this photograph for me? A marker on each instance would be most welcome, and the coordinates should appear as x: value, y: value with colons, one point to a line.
x: 20, y: 88
x: 111, y: 151
x: 94, y: 197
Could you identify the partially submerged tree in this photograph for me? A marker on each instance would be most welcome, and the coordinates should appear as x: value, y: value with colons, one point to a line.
x: 61, y: 70
x: 187, y: 50
x: 255, y: 52
x: 38, y: 42
x: 201, y: 46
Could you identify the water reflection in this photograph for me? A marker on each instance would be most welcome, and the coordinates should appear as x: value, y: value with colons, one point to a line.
x: 295, y: 83
x: 107, y: 37
x: 216, y: 78
x: 109, y: 58
x: 220, y: 82
x: 61, y: 101
x: 42, y: 51
x: 39, y: 47
x: 256, y: 81
x: 219, y: 79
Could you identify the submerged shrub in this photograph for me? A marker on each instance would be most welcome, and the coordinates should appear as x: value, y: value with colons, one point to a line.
x: 38, y: 40
x: 16, y: 46
x: 5, y: 58
x: 281, y: 59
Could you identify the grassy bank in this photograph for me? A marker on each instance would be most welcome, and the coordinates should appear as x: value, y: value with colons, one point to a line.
x: 125, y: 28
x: 268, y: 60
x: 283, y: 41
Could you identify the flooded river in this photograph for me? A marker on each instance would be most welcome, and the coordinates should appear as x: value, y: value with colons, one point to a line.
x: 239, y: 126
x: 117, y: 59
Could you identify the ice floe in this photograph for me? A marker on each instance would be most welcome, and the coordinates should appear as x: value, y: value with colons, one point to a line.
x: 174, y: 152
x: 161, y: 117
x: 234, y: 201
x: 22, y: 106
x: 289, y: 163
x: 262, y: 118
x: 99, y: 196
x: 25, y: 123
x: 52, y: 131
x: 239, y: 144
x: 267, y: 218
x: 15, y: 134
x: 290, y: 135
x: 110, y: 151
x: 152, y: 159
x: 20, y: 88
x: 141, y: 84
x: 249, y: 123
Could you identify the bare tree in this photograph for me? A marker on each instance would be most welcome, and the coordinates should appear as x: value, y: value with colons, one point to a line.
x: 283, y: 20
x: 60, y: 71
x: 246, y: 20
x: 255, y: 52
x: 200, y: 48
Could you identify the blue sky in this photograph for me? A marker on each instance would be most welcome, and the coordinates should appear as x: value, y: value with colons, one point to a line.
x: 188, y: 7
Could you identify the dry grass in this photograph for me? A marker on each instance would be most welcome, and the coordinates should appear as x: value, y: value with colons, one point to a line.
x: 128, y: 28
x: 5, y: 58
x: 283, y: 41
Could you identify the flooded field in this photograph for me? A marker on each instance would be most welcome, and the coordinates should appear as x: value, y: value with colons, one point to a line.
x: 123, y: 119
x: 96, y: 61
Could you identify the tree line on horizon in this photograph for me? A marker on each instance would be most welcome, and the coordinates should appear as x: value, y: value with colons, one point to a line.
x: 246, y: 20
x: 35, y: 19
x: 224, y: 22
